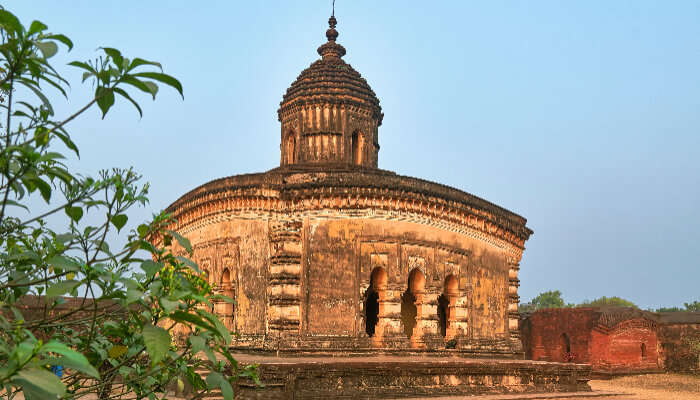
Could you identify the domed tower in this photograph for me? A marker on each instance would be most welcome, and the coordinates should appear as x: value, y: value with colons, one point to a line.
x: 329, y: 115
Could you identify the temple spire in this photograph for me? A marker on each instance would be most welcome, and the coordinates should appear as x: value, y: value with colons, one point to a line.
x: 331, y: 48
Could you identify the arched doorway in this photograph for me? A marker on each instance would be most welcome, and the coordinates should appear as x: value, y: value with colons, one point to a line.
x: 357, y: 145
x: 375, y: 292
x: 411, y: 301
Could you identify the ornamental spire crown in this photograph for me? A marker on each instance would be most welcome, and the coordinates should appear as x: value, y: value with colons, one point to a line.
x: 330, y: 115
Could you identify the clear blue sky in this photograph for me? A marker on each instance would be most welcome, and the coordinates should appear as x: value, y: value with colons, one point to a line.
x: 584, y: 117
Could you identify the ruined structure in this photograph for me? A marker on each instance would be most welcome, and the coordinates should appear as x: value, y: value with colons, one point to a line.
x: 614, y: 340
x: 328, y: 252
x: 679, y: 341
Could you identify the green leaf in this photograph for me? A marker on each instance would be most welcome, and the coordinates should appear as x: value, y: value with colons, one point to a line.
x: 43, y: 98
x: 10, y: 22
x: 63, y: 39
x: 189, y: 263
x: 75, y: 213
x: 140, y: 61
x: 215, y: 380
x: 115, y: 54
x: 160, y: 77
x: 43, y: 380
x: 181, y: 316
x: 125, y: 95
x: 36, y: 26
x: 169, y: 305
x: 198, y: 344
x: 61, y: 287
x: 184, y: 242
x: 157, y: 342
x: 133, y: 295
x: 152, y: 87
x: 48, y: 49
x: 44, y: 189
x: 119, y: 221
x: 16, y: 204
x: 71, y: 358
x: 84, y: 66
x: 151, y: 267
x: 105, y: 99
x: 64, y: 263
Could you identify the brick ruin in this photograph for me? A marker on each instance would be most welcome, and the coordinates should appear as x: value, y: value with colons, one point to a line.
x: 328, y: 252
x: 614, y: 340
x: 677, y: 332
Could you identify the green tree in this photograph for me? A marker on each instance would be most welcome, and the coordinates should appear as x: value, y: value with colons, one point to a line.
x: 692, y: 307
x: 549, y: 299
x: 613, y: 301
x: 687, y: 307
x: 117, y: 340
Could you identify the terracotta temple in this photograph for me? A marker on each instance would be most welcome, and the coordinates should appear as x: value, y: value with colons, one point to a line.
x: 328, y: 252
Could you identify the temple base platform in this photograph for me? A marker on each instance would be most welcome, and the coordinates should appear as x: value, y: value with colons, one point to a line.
x: 387, y: 376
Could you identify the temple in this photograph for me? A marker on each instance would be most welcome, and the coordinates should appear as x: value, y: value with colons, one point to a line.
x: 329, y: 253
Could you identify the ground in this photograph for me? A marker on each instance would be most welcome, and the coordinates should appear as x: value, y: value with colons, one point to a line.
x: 653, y: 386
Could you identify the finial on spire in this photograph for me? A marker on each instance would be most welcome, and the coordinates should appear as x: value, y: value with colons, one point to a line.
x: 331, y: 33
x: 331, y: 49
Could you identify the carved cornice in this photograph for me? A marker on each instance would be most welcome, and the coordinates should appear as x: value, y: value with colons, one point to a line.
x: 278, y: 192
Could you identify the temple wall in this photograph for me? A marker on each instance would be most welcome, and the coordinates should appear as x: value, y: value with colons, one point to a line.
x: 243, y: 246
x: 342, y: 253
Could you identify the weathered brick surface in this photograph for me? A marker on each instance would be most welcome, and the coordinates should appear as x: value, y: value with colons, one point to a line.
x: 395, y: 377
x: 676, y: 332
x: 611, y: 340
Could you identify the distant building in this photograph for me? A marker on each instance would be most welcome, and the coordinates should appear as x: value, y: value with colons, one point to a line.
x: 677, y: 331
x: 614, y: 340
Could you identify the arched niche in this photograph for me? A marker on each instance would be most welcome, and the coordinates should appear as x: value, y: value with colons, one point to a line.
x: 357, y: 144
x: 411, y: 304
x: 375, y: 293
x: 446, y: 307
x: 290, y: 148
x: 225, y: 309
x: 565, y: 347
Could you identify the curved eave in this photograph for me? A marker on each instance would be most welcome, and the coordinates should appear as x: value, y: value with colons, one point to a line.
x: 344, y: 176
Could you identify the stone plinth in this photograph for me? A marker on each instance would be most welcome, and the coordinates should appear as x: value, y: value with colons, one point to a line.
x: 395, y: 377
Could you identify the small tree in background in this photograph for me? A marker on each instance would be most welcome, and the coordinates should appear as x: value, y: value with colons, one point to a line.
x: 116, y: 339
x: 613, y: 301
x: 549, y: 299
x: 687, y: 307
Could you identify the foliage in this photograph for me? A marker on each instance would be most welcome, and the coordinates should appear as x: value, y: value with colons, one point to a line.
x: 687, y: 307
x: 613, y: 301
x: 116, y: 340
x: 549, y: 299
x: 554, y: 299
